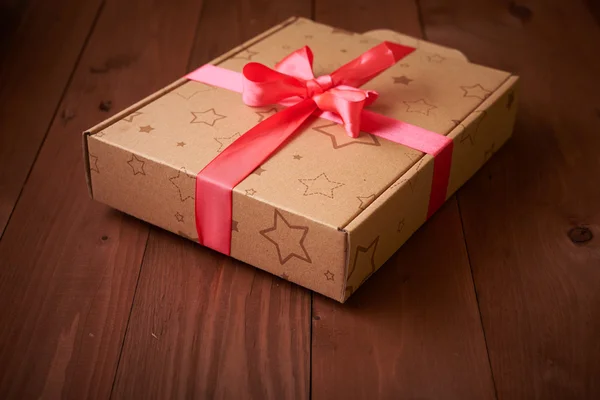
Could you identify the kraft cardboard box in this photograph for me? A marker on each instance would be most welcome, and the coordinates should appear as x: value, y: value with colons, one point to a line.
x: 326, y: 211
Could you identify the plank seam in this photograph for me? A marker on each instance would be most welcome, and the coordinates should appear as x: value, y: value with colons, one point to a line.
x: 135, y: 291
x: 487, y: 350
x: 54, y: 114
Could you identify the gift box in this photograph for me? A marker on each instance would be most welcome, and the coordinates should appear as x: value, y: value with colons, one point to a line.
x: 340, y: 186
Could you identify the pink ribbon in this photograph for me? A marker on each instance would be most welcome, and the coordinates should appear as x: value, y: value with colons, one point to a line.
x: 335, y: 97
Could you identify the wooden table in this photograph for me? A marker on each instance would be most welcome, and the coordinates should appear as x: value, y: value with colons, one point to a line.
x: 497, y: 296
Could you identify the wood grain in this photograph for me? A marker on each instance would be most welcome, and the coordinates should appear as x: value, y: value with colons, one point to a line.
x: 43, y: 42
x: 204, y: 325
x: 532, y: 215
x: 69, y: 266
x: 413, y: 330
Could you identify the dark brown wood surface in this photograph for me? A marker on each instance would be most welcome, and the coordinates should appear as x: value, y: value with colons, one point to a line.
x: 532, y: 216
x: 46, y: 40
x: 495, y: 297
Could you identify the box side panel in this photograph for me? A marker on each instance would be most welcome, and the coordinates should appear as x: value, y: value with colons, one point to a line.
x: 278, y: 241
x: 376, y: 234
x: 482, y: 133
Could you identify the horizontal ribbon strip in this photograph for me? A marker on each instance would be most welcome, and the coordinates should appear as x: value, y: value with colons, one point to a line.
x: 333, y: 97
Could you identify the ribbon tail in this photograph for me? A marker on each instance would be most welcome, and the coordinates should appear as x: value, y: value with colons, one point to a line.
x: 214, y: 184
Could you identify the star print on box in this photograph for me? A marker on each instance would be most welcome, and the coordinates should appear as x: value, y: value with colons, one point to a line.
x: 226, y: 141
x: 510, y: 100
x: 400, y: 226
x: 342, y: 32
x: 185, y: 185
x: 136, y: 165
x: 308, y: 36
x: 472, y: 134
x: 419, y: 106
x: 288, y: 239
x: 250, y: 192
x: 131, y: 116
x: 180, y: 144
x: 178, y: 217
x: 329, y: 275
x: 476, y: 91
x: 245, y: 54
x: 339, y: 138
x: 234, y: 226
x: 186, y: 92
x: 365, y: 201
x: 297, y: 157
x: 265, y: 114
x: 258, y: 171
x: 320, y: 185
x: 402, y: 80
x: 94, y: 163
x: 208, y: 117
x: 489, y: 152
x: 146, y: 129
x: 365, y: 256
x: 435, y: 58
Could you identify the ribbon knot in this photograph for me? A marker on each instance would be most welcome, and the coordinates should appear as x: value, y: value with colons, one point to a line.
x: 318, y: 85
x: 293, y: 81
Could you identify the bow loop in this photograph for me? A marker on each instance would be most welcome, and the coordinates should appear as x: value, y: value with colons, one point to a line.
x: 293, y: 79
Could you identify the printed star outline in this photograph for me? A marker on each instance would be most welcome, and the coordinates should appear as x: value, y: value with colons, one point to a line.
x: 136, y: 165
x: 266, y: 114
x: 404, y: 80
x: 323, y: 180
x: 226, y: 141
x: 271, y: 234
x: 234, y: 226
x: 329, y: 275
x: 510, y: 100
x: 245, y: 54
x: 185, y: 185
x: 179, y: 217
x: 131, y: 116
x: 476, y: 91
x: 340, y: 140
x: 195, y: 89
x: 472, y: 134
x: 435, y: 58
x: 400, y: 226
x: 94, y: 163
x: 489, y: 152
x: 365, y: 201
x: 258, y: 171
x: 208, y: 117
x: 341, y: 32
x: 368, y: 252
x: 419, y: 106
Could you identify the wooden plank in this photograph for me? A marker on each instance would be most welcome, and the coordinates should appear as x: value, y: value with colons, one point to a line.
x: 42, y: 45
x: 531, y: 216
x: 413, y: 330
x: 204, y: 325
x: 69, y: 266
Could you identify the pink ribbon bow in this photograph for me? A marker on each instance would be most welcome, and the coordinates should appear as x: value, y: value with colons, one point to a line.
x: 293, y: 79
x: 292, y: 83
